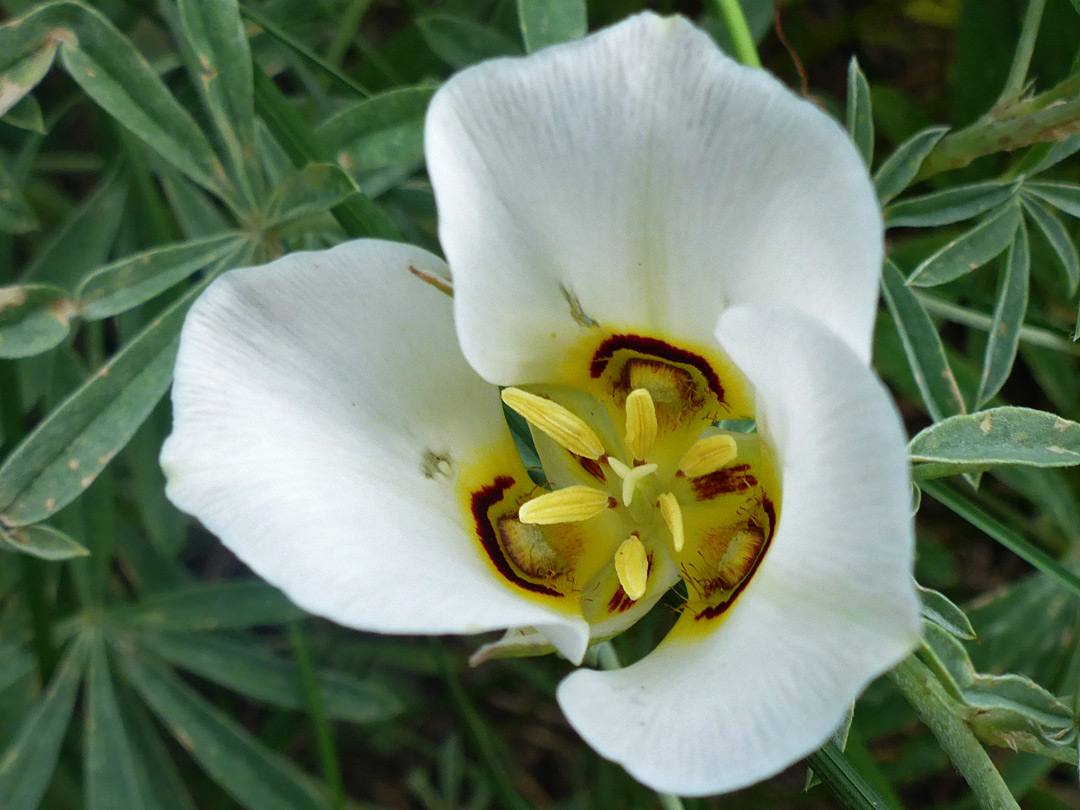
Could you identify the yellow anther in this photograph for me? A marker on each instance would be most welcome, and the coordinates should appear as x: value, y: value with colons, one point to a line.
x: 554, y: 420
x: 632, y: 567
x: 640, y: 422
x: 631, y: 476
x: 566, y: 505
x: 708, y: 455
x: 672, y: 514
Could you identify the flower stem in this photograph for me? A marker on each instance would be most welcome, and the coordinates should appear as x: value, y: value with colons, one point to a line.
x: 735, y: 20
x: 929, y: 699
x: 328, y: 755
x: 1014, y: 84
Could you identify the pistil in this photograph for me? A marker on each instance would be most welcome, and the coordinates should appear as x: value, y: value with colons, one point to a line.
x: 631, y: 477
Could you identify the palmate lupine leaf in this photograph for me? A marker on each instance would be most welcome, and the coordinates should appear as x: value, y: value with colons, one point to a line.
x: 950, y: 205
x: 124, y: 284
x: 1009, y: 314
x: 113, y: 73
x: 245, y: 666
x: 380, y: 131
x: 26, y: 767
x: 922, y: 346
x: 461, y: 42
x: 971, y: 250
x: 1063, y: 196
x: 232, y: 605
x: 860, y: 119
x: 244, y: 767
x: 66, y: 451
x: 15, y: 213
x: 898, y: 170
x: 995, y: 438
x: 33, y: 319
x: 1057, y: 236
x: 43, y: 542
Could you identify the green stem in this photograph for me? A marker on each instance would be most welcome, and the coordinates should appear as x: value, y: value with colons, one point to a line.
x: 1014, y: 84
x: 930, y: 700
x: 669, y: 802
x: 347, y: 27
x: 505, y: 793
x: 1050, y: 116
x: 741, y: 38
x: 324, y: 737
x: 1031, y: 335
x: 844, y: 780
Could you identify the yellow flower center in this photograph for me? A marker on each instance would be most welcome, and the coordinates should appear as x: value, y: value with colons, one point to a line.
x: 644, y: 486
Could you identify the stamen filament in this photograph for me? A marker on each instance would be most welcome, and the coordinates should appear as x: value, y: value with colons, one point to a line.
x: 552, y: 419
x: 708, y: 455
x: 640, y: 422
x: 632, y: 567
x: 566, y: 505
x: 672, y: 514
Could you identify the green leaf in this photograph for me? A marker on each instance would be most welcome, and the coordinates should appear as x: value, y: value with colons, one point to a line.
x: 860, y: 119
x: 210, y: 607
x: 195, y: 212
x: 382, y: 131
x: 971, y: 250
x: 549, y: 22
x: 844, y: 780
x: 166, y: 784
x: 359, y: 215
x: 215, y: 32
x: 115, y: 776
x: 84, y: 239
x: 22, y: 75
x: 115, y: 75
x: 33, y: 319
x: 311, y: 191
x: 900, y: 168
x: 26, y: 114
x: 246, y: 667
x: 1054, y: 153
x: 119, y: 286
x: 997, y: 437
x: 1009, y: 313
x: 15, y: 664
x: 940, y: 610
x: 922, y: 346
x: 951, y: 205
x: 1058, y: 237
x: 1015, y: 542
x: 66, y: 451
x: 43, y: 542
x: 1063, y: 196
x: 461, y: 42
x: 247, y: 770
x: 28, y: 764
x: 15, y: 214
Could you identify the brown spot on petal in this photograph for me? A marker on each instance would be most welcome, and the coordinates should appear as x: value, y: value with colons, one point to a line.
x: 736, y: 478
x: 483, y: 501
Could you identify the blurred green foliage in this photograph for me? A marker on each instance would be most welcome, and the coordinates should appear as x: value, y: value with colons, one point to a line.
x: 128, y: 182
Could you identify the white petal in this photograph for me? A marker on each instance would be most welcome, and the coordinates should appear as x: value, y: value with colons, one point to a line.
x: 831, y: 606
x: 653, y: 178
x: 325, y: 422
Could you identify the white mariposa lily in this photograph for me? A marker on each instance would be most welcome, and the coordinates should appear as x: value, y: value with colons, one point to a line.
x: 646, y: 239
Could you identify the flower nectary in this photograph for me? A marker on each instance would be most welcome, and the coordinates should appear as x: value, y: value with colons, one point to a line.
x: 641, y: 487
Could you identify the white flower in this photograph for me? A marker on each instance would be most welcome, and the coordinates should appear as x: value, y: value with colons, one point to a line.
x: 645, y: 238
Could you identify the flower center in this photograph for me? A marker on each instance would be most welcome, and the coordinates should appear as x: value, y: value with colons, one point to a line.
x: 644, y: 488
